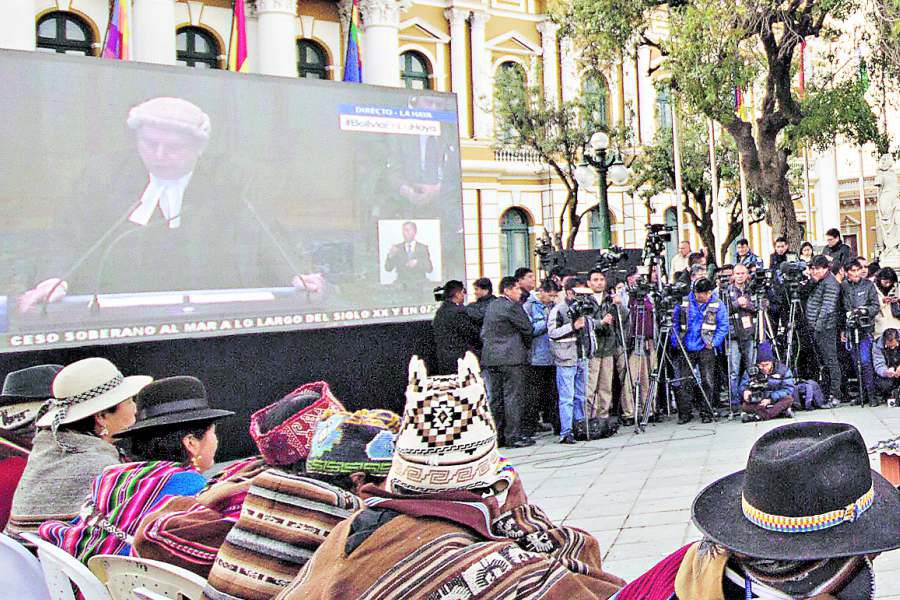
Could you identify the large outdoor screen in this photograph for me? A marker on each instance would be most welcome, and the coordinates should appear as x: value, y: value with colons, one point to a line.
x: 142, y: 202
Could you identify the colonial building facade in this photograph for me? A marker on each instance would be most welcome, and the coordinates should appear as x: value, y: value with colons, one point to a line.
x: 509, y: 198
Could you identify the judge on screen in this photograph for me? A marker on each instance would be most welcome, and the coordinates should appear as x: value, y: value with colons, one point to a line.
x: 184, y: 221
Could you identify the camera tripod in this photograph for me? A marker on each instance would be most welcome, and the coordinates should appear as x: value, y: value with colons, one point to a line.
x: 855, y: 336
x: 663, y: 349
x: 792, y: 334
x: 643, y: 405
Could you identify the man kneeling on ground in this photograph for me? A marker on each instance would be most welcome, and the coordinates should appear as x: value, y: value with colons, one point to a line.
x: 769, y: 393
x: 453, y: 521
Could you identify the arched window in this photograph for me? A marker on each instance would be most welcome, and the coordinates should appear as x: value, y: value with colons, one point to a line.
x: 512, y: 66
x: 198, y: 48
x: 415, y: 71
x: 595, y: 228
x: 64, y: 33
x: 596, y: 99
x: 515, y: 241
x: 663, y: 110
x: 312, y: 62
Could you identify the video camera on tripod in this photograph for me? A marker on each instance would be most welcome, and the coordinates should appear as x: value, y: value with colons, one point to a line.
x: 658, y: 235
x: 859, y: 318
x: 609, y: 258
x: 583, y: 305
x: 761, y: 281
x: 793, y: 276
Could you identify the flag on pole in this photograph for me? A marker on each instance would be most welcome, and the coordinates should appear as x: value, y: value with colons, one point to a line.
x: 802, y: 67
x: 118, y: 32
x: 237, y: 43
x: 353, y: 60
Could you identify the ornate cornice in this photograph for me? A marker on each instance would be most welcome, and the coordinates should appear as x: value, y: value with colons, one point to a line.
x: 457, y: 16
x: 383, y: 12
x: 281, y: 6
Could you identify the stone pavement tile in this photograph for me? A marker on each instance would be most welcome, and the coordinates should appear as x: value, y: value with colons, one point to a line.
x: 650, y: 552
x: 678, y: 517
x: 606, y: 539
x: 587, y: 508
x: 657, y: 492
x: 628, y: 569
x: 658, y: 535
x: 661, y: 505
x: 607, y: 523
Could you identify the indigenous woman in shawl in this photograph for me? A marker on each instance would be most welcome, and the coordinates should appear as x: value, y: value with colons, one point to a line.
x: 175, y: 440
x: 92, y: 401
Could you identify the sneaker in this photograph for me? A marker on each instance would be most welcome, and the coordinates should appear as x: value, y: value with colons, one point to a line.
x: 706, y: 419
x: 747, y: 418
x: 568, y: 439
x: 789, y: 413
x: 685, y: 419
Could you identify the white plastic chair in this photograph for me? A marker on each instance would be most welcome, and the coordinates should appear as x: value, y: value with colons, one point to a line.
x: 20, y: 572
x: 128, y: 577
x: 62, y: 571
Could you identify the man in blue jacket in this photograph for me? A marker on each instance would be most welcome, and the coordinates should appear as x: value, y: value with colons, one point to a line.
x: 701, y: 323
x: 775, y: 398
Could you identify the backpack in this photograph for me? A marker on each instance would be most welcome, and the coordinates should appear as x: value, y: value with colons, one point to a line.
x: 808, y: 395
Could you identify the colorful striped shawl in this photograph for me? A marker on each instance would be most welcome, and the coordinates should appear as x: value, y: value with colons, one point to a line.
x: 120, y: 497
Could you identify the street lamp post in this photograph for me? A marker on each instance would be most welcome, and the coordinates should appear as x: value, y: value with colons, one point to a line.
x: 597, y: 161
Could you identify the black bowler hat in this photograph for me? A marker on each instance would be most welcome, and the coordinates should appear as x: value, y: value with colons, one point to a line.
x: 29, y: 385
x: 808, y: 493
x: 173, y: 401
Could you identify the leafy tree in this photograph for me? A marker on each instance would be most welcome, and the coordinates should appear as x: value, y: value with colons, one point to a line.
x: 654, y: 173
x: 557, y: 134
x: 714, y: 47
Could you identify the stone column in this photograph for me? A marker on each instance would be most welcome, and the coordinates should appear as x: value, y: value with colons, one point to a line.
x: 570, y: 84
x: 458, y: 75
x: 154, y: 31
x: 17, y: 25
x: 381, y: 52
x: 277, y: 50
x: 548, y: 31
x: 345, y: 10
x: 482, y: 88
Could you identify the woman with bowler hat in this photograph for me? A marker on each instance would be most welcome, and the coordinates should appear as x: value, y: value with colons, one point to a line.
x: 174, y: 441
x: 805, y: 519
x: 91, y: 402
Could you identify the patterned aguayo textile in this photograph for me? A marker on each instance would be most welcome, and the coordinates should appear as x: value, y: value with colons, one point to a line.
x: 284, y: 519
x: 430, y: 558
x: 188, y: 532
x: 120, y: 497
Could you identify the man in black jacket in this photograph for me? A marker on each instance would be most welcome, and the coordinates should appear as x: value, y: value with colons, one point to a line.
x: 859, y: 302
x: 454, y: 331
x: 484, y: 295
x: 835, y: 248
x: 822, y: 317
x: 506, y: 337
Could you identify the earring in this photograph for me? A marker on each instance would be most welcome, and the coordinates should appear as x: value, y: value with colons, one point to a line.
x: 104, y: 432
x: 196, y: 460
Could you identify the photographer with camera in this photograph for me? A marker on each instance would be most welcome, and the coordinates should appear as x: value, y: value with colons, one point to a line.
x: 886, y: 360
x: 742, y: 318
x: 608, y: 360
x: 782, y: 250
x: 570, y: 328
x: 454, y: 331
x: 822, y: 309
x: 640, y: 339
x: 859, y: 301
x: 888, y: 316
x: 835, y: 249
x: 700, y: 322
x: 766, y: 390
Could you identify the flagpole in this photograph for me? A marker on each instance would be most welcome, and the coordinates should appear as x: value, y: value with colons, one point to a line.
x: 863, y: 222
x: 676, y: 156
x: 713, y: 169
x: 112, y: 5
x: 230, y: 38
x: 807, y: 194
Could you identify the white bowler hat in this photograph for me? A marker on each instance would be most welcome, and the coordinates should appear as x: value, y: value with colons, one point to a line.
x: 87, y: 387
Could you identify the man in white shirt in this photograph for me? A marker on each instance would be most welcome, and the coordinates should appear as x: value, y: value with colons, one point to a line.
x: 680, y: 260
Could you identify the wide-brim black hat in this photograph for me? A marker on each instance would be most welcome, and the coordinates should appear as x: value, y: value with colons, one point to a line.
x: 29, y: 385
x: 173, y: 401
x: 804, y: 496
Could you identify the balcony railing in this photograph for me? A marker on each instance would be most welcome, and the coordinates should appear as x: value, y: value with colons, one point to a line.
x: 519, y: 155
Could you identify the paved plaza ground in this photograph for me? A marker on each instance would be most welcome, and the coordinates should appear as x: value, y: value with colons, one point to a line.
x: 634, y: 492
